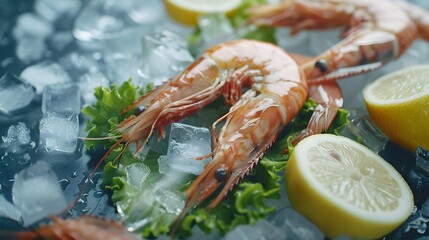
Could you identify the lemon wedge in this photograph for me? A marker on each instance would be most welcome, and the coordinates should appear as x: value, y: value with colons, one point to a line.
x: 398, y: 103
x: 188, y: 11
x: 346, y: 189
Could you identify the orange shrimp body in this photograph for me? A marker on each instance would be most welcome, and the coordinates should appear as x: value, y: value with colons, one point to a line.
x: 82, y: 228
x: 277, y: 92
x: 376, y: 31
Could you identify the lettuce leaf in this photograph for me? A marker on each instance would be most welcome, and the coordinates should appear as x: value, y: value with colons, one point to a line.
x: 106, y: 113
x: 142, y: 210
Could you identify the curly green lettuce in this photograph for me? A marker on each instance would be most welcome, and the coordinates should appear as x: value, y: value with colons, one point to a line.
x: 106, y: 113
x: 141, y: 210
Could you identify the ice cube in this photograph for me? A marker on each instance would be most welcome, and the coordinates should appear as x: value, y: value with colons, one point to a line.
x: 59, y: 132
x: 129, y: 42
x: 29, y: 25
x: 91, y: 26
x: 163, y: 164
x: 29, y: 50
x: 82, y: 62
x: 54, y: 9
x: 203, y: 118
x: 61, y: 98
x: 175, y: 27
x: 171, y: 200
x: 8, y: 210
x: 45, y: 73
x: 261, y: 230
x: 142, y: 152
x: 363, y: 128
x: 148, y: 12
x: 187, y: 143
x: 15, y: 94
x: 103, y: 24
x: 297, y: 227
x: 60, y: 40
x: 88, y: 82
x: 160, y: 146
x: 215, y: 28
x: 17, y: 136
x: 122, y: 67
x: 164, y: 56
x: 37, y: 193
x: 137, y: 174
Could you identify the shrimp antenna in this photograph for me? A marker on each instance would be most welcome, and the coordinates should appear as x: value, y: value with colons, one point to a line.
x: 188, y: 206
x: 99, y: 138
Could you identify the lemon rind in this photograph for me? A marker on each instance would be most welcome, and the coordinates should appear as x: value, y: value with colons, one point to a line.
x: 207, y: 6
x: 387, y: 217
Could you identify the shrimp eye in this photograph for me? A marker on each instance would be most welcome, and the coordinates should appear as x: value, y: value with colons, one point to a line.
x: 322, y: 65
x: 139, y: 110
x: 220, y: 174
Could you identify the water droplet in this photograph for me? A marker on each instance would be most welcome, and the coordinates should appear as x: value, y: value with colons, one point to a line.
x: 74, y: 174
x: 24, y: 160
x: 64, y: 183
x: 98, y: 194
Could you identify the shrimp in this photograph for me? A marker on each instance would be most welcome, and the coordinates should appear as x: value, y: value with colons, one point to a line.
x: 278, y: 90
x: 82, y: 228
x: 418, y: 15
x: 376, y: 32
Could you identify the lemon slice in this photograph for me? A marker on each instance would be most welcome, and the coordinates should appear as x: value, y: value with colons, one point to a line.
x: 398, y: 103
x: 188, y: 11
x: 346, y: 189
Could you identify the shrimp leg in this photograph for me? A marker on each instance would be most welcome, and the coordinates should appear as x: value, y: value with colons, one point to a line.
x: 329, y: 100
